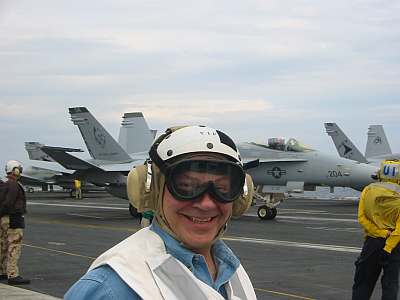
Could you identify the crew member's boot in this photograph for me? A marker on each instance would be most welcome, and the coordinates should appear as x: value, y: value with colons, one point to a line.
x: 18, y: 280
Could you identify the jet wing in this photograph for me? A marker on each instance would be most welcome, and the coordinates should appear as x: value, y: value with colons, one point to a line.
x: 250, y: 163
x: 68, y: 161
x: 266, y: 160
x: 35, y: 151
x: 28, y: 180
x: 123, y: 167
x: 48, y: 171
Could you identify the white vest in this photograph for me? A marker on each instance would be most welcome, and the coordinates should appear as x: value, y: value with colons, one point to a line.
x: 143, y: 263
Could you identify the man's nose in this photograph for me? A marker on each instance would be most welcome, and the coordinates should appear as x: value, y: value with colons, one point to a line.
x: 206, y: 201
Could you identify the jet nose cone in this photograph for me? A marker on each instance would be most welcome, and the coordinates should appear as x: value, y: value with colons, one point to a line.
x: 363, y: 176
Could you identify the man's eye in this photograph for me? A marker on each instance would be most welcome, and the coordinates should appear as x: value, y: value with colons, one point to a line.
x: 187, y: 184
x: 223, y: 188
x: 184, y: 185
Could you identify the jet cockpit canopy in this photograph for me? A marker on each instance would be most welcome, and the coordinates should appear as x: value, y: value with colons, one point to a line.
x: 291, y: 145
x: 297, y: 146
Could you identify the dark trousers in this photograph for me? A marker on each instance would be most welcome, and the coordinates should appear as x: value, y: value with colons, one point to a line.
x: 368, y: 268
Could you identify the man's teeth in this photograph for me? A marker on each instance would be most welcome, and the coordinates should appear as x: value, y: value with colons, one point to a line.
x: 200, y: 220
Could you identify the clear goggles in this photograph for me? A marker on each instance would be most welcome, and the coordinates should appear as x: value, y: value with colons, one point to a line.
x: 191, y: 179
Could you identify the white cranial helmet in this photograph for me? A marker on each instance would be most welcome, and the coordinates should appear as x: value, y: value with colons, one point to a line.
x: 193, y: 139
x: 11, y: 165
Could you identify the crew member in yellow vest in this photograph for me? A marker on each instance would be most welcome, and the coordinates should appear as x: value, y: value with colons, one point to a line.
x: 78, y: 189
x: 379, y: 215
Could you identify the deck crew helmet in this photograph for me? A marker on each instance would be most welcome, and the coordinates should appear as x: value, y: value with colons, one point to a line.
x: 13, y: 166
x: 198, y: 148
x: 389, y: 171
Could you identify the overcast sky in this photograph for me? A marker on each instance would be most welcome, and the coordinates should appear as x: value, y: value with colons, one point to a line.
x: 255, y: 69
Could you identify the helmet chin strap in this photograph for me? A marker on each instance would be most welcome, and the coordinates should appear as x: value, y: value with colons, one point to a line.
x: 223, y: 229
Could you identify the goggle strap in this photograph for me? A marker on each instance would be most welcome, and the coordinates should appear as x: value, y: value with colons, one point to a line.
x: 245, y: 189
x: 148, y: 177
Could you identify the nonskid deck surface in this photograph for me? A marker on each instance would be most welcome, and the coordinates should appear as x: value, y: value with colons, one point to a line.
x: 307, y: 252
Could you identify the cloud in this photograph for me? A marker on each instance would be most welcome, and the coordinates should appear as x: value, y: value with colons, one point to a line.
x: 254, y: 68
x: 198, y: 110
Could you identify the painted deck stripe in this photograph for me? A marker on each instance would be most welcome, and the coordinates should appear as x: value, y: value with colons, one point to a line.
x: 336, y: 248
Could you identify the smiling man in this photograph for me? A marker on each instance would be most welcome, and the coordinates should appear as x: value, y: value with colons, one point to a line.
x: 194, y: 183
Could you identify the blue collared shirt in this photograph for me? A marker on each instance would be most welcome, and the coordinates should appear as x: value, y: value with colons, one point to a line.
x: 104, y: 283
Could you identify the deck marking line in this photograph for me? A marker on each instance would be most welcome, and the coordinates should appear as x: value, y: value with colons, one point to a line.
x: 78, y: 206
x: 58, y: 251
x: 283, y: 294
x: 294, y: 244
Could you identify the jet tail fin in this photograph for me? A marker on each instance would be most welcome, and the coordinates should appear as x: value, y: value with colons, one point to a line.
x: 35, y: 152
x: 377, y: 143
x: 344, y: 145
x: 134, y: 134
x: 100, y: 144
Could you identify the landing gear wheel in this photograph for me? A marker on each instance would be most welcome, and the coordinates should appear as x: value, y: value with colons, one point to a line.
x: 133, y: 211
x: 266, y: 213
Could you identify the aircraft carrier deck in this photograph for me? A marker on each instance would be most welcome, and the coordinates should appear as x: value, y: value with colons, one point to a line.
x: 307, y: 252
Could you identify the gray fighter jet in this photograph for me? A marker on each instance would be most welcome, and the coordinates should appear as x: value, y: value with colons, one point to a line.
x: 109, y: 163
x: 43, y: 177
x: 377, y: 148
x: 47, y: 178
x: 281, y: 167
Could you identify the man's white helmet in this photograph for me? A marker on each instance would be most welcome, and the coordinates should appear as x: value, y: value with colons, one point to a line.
x: 11, y: 165
x: 192, y: 139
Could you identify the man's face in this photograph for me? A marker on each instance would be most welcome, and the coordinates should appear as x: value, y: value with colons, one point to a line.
x: 196, y: 222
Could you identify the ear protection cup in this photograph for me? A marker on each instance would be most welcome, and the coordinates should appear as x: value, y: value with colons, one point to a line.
x: 16, y: 172
x: 135, y: 187
x: 242, y: 204
x: 145, y: 186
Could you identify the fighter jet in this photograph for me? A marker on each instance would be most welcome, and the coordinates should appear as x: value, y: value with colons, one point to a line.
x: 45, y: 178
x: 281, y: 167
x: 109, y: 164
x: 377, y: 148
x: 80, y: 169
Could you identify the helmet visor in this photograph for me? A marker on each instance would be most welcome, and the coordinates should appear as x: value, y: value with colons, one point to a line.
x: 190, y: 179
